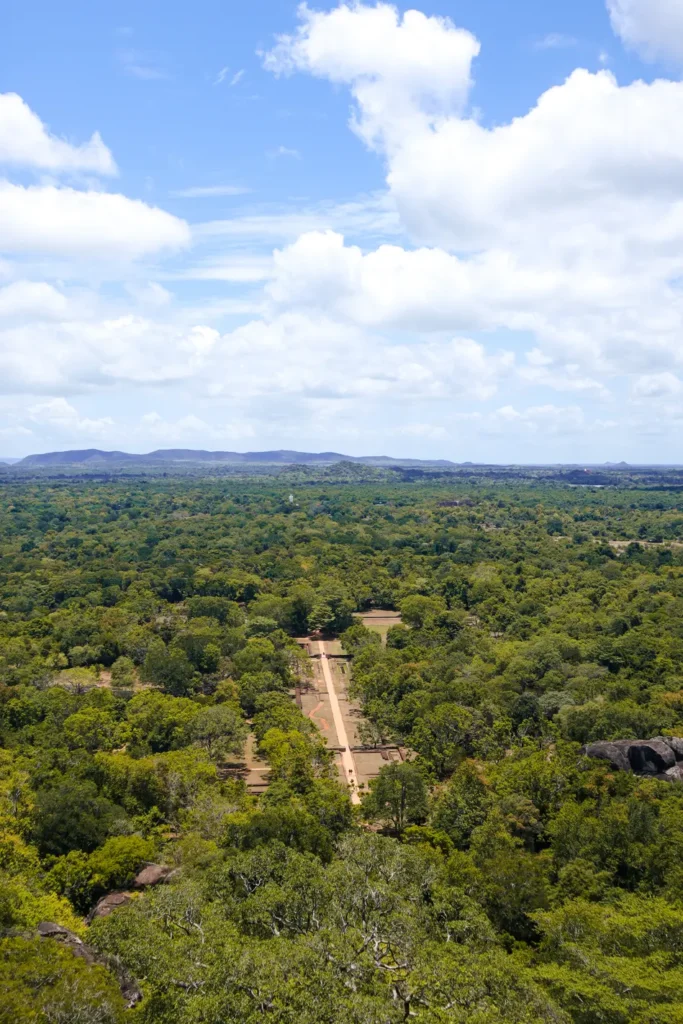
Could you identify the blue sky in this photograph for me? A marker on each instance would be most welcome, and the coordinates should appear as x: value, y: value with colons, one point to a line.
x: 450, y: 231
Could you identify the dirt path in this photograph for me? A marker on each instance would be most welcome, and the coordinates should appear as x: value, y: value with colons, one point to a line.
x: 346, y: 755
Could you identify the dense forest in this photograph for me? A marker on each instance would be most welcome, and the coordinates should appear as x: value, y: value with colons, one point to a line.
x: 498, y: 874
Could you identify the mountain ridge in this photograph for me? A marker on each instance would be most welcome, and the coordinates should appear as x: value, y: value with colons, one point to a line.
x: 284, y: 456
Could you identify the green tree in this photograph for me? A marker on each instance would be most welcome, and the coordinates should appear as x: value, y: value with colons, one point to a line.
x: 91, y: 728
x: 220, y: 730
x: 72, y: 816
x: 398, y: 796
x: 123, y: 672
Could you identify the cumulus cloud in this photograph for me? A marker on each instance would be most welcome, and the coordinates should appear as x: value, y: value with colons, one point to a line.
x: 31, y: 299
x: 566, y: 222
x: 397, y: 66
x: 591, y: 317
x: 653, y: 27
x: 69, y: 222
x: 60, y: 414
x: 563, y: 226
x: 82, y: 354
x: 656, y: 386
x: 592, y: 164
x: 314, y: 355
x: 25, y: 141
x: 545, y: 419
x: 425, y: 288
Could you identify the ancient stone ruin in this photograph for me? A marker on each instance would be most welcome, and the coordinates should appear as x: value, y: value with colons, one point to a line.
x: 661, y: 757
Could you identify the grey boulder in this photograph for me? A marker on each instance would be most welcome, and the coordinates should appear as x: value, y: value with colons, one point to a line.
x: 676, y: 744
x: 615, y: 752
x: 650, y: 756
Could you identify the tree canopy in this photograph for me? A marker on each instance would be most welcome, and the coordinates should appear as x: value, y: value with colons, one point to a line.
x: 495, y: 874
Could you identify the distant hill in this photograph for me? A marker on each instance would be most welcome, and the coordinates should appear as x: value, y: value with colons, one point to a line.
x: 94, y: 457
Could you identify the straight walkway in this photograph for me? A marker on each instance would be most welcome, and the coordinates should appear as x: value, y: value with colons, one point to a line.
x: 343, y: 740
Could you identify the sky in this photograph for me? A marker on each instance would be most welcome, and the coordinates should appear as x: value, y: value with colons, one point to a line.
x: 448, y: 231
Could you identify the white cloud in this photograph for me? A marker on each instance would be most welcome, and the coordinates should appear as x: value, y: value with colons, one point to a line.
x: 544, y: 419
x: 653, y: 27
x: 563, y: 227
x: 395, y: 65
x: 60, y: 414
x: 656, y: 386
x: 82, y: 354
x: 592, y: 165
x: 237, y: 78
x: 588, y: 319
x: 138, y: 350
x: 15, y: 431
x: 419, y: 289
x: 25, y: 141
x: 35, y: 300
x: 572, y: 213
x: 311, y: 354
x: 221, y: 76
x: 67, y: 222
x: 541, y: 372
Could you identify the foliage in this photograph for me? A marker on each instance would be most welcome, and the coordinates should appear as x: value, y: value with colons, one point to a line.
x: 398, y: 796
x: 494, y: 874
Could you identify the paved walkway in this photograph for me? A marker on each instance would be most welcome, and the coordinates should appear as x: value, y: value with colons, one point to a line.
x: 346, y: 755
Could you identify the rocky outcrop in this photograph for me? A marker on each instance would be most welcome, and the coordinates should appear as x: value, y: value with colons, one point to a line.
x: 130, y: 990
x: 651, y: 757
x: 661, y: 757
x: 615, y: 752
x: 104, y: 907
x: 153, y: 874
x: 676, y: 745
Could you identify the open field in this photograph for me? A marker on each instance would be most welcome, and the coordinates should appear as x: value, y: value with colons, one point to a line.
x: 381, y: 620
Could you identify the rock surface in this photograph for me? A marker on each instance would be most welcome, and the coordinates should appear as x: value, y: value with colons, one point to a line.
x: 50, y: 930
x: 153, y: 874
x: 650, y: 756
x: 661, y: 756
x: 104, y: 907
x: 675, y: 743
x: 615, y: 753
